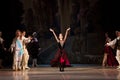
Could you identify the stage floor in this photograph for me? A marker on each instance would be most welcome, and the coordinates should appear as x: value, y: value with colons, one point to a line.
x: 81, y: 72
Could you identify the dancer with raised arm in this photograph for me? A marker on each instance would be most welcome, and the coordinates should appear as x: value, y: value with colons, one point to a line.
x: 33, y: 49
x: 25, y: 57
x: 109, y: 57
x: 116, y: 43
x: 60, y: 58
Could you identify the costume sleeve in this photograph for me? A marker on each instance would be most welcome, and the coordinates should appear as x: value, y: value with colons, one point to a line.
x: 12, y: 46
x: 111, y: 43
x: 27, y: 40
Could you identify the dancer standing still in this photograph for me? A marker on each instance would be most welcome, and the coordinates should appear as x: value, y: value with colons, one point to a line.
x: 33, y: 48
x: 61, y: 56
x: 2, y: 50
x: 109, y: 57
x: 17, y: 50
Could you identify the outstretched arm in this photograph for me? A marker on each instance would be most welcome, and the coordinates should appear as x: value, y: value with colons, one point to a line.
x: 111, y: 43
x: 28, y: 39
x: 66, y: 34
x: 54, y: 35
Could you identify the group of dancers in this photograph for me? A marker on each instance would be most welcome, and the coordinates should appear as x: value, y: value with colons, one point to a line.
x: 21, y: 52
x: 21, y: 56
x: 112, y: 51
x: 18, y: 48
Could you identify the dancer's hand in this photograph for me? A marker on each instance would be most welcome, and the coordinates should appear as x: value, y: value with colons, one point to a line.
x: 30, y: 37
x: 39, y: 49
x: 5, y: 49
x: 106, y: 44
x: 51, y: 30
x: 68, y: 29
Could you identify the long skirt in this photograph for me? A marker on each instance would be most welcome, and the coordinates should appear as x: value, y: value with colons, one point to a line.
x: 60, y: 58
x: 111, y: 60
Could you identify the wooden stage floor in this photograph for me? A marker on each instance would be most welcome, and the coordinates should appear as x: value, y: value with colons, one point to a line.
x: 81, y: 72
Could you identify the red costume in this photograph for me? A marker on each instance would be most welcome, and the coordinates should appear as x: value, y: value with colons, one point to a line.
x: 111, y: 60
x: 60, y: 58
